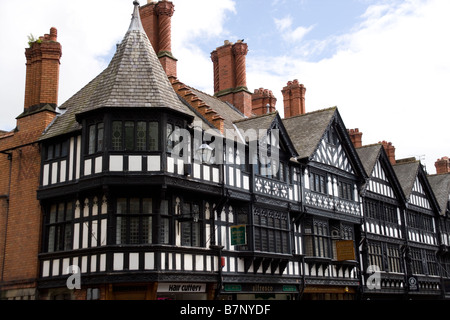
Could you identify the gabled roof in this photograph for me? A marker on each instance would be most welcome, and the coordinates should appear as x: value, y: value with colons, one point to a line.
x: 407, y: 170
x: 268, y: 121
x: 307, y: 130
x: 369, y: 155
x: 440, y: 183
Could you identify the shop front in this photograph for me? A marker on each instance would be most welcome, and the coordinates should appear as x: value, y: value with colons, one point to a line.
x: 185, y: 291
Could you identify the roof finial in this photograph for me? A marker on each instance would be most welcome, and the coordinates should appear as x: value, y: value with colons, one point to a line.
x: 136, y: 23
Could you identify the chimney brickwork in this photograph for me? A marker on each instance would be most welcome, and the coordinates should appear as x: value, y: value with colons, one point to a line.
x: 230, y: 75
x: 294, y: 99
x: 42, y: 71
x: 263, y: 101
x: 442, y: 165
x: 390, y: 150
x: 356, y: 137
x: 156, y: 18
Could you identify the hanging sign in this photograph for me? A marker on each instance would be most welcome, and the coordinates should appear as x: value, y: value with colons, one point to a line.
x: 238, y: 235
x: 345, y: 250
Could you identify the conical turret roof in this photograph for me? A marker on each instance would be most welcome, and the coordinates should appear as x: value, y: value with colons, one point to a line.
x: 135, y: 77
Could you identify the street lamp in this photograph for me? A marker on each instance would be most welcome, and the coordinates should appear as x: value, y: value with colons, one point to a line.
x: 204, y: 152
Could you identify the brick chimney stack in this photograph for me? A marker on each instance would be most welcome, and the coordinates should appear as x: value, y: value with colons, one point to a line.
x: 263, y: 101
x: 294, y: 99
x: 442, y: 165
x: 390, y: 150
x: 42, y: 71
x: 230, y: 75
x: 156, y: 18
x: 356, y: 137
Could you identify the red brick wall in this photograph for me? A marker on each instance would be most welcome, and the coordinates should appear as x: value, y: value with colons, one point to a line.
x: 21, y: 219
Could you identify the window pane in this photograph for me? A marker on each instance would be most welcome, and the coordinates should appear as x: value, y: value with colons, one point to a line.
x: 121, y: 205
x: 134, y: 205
x: 129, y: 135
x: 147, y: 205
x: 134, y: 230
x: 147, y: 233
x: 164, y: 231
x: 64, y: 148
x: 53, y: 214
x: 51, y: 239
x: 100, y: 137
x: 120, y: 230
x: 196, y: 234
x: 169, y: 131
x: 117, y: 135
x: 153, y: 136
x: 91, y: 146
x: 69, y: 211
x: 141, y: 137
x: 67, y: 237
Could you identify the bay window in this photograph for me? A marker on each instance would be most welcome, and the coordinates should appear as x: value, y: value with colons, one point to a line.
x: 133, y: 135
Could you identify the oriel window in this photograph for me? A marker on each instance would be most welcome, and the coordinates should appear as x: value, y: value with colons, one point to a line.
x: 59, y: 227
x: 134, y: 217
x: 95, y: 138
x: 135, y: 136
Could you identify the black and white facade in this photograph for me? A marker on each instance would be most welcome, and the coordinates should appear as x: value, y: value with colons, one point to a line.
x: 137, y: 217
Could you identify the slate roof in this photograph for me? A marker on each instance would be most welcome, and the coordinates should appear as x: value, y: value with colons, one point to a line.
x: 369, y: 155
x: 440, y: 183
x: 228, y: 112
x: 258, y: 122
x: 134, y: 78
x: 406, y: 173
x: 307, y: 130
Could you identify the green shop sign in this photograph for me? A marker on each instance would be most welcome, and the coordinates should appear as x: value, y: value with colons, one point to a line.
x: 238, y: 235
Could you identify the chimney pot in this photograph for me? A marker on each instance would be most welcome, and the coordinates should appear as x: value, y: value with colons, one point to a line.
x: 294, y: 99
x: 442, y: 165
x: 390, y: 150
x: 355, y: 137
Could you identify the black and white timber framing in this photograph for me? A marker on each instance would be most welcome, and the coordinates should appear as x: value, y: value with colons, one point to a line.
x: 117, y: 203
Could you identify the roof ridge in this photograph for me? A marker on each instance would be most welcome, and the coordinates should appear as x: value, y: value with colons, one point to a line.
x: 257, y: 117
x: 312, y: 112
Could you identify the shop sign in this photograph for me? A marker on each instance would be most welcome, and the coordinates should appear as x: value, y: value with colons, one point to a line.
x: 289, y: 288
x: 182, y: 287
x: 260, y: 288
x: 233, y: 287
x: 238, y: 235
x: 345, y: 250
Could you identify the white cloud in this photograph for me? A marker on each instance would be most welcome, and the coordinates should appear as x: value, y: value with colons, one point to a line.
x: 284, y: 26
x: 190, y: 27
x: 389, y: 77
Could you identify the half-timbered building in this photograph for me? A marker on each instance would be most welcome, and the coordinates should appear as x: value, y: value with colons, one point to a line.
x: 383, y: 228
x: 148, y: 188
x: 422, y: 240
x: 440, y: 183
x: 332, y: 175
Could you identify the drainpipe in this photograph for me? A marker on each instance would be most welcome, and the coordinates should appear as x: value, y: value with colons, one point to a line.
x: 6, y: 196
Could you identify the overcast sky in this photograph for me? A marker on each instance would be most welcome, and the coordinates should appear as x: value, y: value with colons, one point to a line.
x: 384, y: 63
